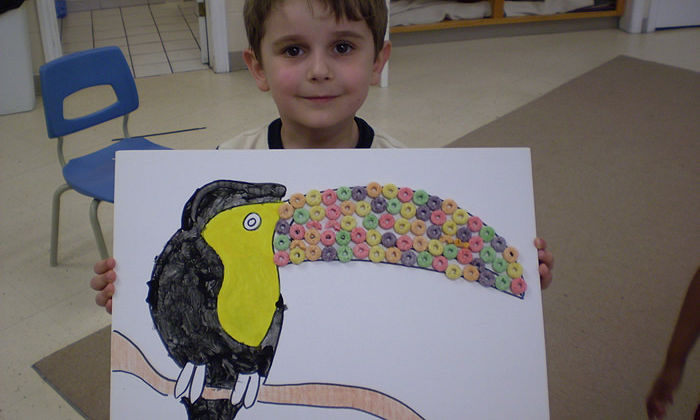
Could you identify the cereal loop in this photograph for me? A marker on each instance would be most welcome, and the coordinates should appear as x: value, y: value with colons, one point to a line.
x: 474, y: 224
x: 376, y: 254
x: 464, y: 256
x: 329, y: 253
x: 374, y: 237
x: 297, y: 243
x: 348, y: 223
x: 328, y: 237
x: 408, y: 210
x: 332, y: 224
x: 510, y: 254
x: 518, y: 286
x: 329, y: 197
x: 313, y: 252
x: 420, y: 243
x: 438, y: 217
x: 450, y: 227
x: 344, y: 193
x: 286, y: 211
x: 392, y: 254
x: 297, y: 231
x: 420, y: 197
x: 476, y: 243
x: 313, y: 197
x: 313, y: 224
x: 363, y: 208
x: 450, y: 251
x: 471, y: 273
x: 390, y: 191
x: 297, y: 256
x: 370, y: 221
x: 514, y: 270
x: 424, y: 260
x: 297, y: 200
x: 502, y: 282
x: 361, y: 251
x: 347, y: 208
x: 386, y: 221
x: 487, y: 233
x: 435, y: 247
x: 281, y: 242
x: 301, y: 216
x: 281, y: 258
x: 345, y: 254
x: 404, y: 243
x: 405, y: 194
x: 440, y: 263
x: 333, y: 212
x: 487, y: 254
x: 453, y: 272
x: 358, y: 235
x: 312, y: 236
x: 402, y: 226
x: 449, y: 206
x: 342, y: 237
x: 460, y: 216
x: 317, y: 213
x: 499, y: 265
x: 373, y: 190
x: 393, y: 206
x: 418, y: 227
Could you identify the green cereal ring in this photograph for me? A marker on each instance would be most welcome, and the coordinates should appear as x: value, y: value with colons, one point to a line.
x: 393, y: 206
x: 425, y: 260
x: 450, y: 252
x: 297, y: 256
x: 502, y: 282
x: 460, y: 216
x: 376, y: 253
x: 390, y: 191
x: 344, y: 253
x: 420, y: 197
x: 317, y: 213
x: 313, y: 197
x: 453, y: 272
x: 499, y: 265
x: 370, y: 221
x: 487, y: 254
x: 515, y: 270
x: 487, y: 233
x: 301, y: 216
x: 348, y: 223
x: 342, y: 237
x: 363, y: 208
x: 281, y: 242
x: 402, y: 226
x: 449, y: 227
x: 373, y: 237
x: 408, y: 210
x: 344, y: 193
x: 435, y: 247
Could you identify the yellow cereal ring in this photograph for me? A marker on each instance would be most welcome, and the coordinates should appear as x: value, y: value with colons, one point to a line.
x: 374, y: 237
x: 363, y: 208
x: 449, y: 227
x: 317, y: 213
x: 348, y: 223
x: 402, y: 226
x: 453, y: 272
x: 297, y: 256
x: 313, y: 197
x: 460, y: 216
x: 408, y: 210
x: 376, y: 253
x: 390, y: 191
x: 514, y: 270
x: 435, y: 247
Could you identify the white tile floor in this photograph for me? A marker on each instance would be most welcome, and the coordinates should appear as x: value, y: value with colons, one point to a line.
x: 437, y: 93
x: 155, y: 38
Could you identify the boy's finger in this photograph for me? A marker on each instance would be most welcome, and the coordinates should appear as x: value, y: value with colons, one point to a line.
x: 545, y: 276
x: 103, y: 266
x: 546, y: 257
x: 99, y: 282
x: 540, y: 244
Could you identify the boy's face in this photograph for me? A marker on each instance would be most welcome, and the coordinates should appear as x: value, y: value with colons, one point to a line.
x: 318, y: 69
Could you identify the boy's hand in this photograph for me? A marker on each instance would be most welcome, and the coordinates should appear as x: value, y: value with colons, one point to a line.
x: 661, y: 394
x: 103, y: 282
x: 546, y: 260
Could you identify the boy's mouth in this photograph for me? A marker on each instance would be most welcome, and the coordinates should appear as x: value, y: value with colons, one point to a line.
x: 319, y: 99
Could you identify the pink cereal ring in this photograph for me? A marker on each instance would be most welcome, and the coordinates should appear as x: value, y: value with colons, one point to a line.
x: 314, y: 224
x: 476, y: 243
x: 281, y: 258
x: 329, y: 197
x: 474, y: 224
x: 518, y: 286
x: 438, y: 217
x: 361, y: 251
x: 404, y: 243
x: 386, y: 221
x: 333, y: 212
x: 358, y: 235
x: 328, y: 237
x: 405, y: 194
x: 297, y: 231
x: 464, y: 256
x: 440, y: 263
x: 332, y: 224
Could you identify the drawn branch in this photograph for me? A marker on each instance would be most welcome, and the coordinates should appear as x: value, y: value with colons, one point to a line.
x: 128, y: 358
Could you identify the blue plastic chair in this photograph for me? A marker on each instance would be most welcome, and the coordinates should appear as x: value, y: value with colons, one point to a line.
x: 93, y: 174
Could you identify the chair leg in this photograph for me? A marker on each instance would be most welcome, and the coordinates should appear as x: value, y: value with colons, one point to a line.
x: 55, y: 215
x: 97, y: 229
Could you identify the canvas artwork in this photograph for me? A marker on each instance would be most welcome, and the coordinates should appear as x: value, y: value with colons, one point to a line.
x: 328, y: 284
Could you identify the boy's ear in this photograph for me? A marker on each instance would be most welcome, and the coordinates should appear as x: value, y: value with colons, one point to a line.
x: 380, y: 61
x: 256, y: 69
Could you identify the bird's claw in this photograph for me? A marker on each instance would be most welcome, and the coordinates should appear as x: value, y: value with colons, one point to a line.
x: 246, y: 389
x: 190, y: 382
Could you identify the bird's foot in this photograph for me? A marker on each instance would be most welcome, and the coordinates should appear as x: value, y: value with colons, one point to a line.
x: 246, y: 389
x: 190, y: 382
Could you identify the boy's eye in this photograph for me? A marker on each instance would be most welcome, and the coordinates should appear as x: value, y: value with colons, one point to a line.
x: 343, y: 47
x: 292, y: 51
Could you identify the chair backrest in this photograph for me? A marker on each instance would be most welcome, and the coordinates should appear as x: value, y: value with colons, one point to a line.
x: 66, y: 75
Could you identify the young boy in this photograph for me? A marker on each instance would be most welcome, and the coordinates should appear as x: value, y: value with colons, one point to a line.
x: 318, y: 59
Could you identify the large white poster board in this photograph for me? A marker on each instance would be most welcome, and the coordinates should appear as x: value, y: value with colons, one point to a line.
x: 438, y: 347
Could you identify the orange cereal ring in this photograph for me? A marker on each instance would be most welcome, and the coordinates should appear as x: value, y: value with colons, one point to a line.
x: 297, y: 243
x: 418, y: 227
x: 313, y: 252
x: 374, y: 189
x: 510, y: 254
x: 313, y: 197
x: 420, y: 243
x: 393, y: 254
x: 471, y: 273
x: 347, y: 208
x: 449, y: 206
x: 297, y: 200
x: 312, y: 236
x: 286, y: 211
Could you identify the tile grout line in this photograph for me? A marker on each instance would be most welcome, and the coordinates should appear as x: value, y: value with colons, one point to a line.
x: 126, y: 39
x: 162, y: 43
x: 182, y: 14
x: 92, y: 27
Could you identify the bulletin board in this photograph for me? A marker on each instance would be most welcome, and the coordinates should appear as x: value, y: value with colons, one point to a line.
x: 452, y: 330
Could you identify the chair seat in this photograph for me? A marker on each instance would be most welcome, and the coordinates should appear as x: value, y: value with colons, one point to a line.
x: 93, y: 175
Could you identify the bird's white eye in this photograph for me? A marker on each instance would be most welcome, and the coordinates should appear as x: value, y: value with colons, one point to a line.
x: 252, y: 221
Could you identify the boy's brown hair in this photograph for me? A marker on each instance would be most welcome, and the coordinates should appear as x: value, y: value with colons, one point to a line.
x: 373, y: 12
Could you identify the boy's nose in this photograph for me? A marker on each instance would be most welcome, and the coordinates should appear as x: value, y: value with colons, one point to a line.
x: 319, y: 69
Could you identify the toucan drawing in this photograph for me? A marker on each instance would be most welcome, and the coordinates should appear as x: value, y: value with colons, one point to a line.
x: 214, y: 293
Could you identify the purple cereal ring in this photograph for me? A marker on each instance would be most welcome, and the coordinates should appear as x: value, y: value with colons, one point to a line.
x: 434, y: 232
x: 423, y: 213
x: 499, y: 244
x: 408, y: 258
x: 434, y: 202
x: 378, y: 204
x: 388, y: 239
x: 358, y: 193
x: 478, y: 263
x: 282, y: 227
x: 464, y: 234
x: 329, y: 254
x: 487, y: 278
